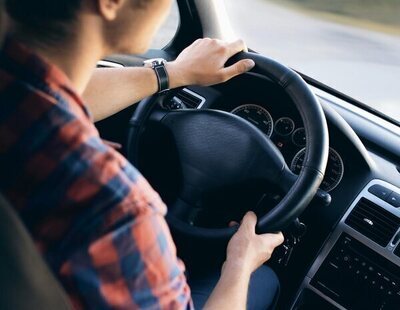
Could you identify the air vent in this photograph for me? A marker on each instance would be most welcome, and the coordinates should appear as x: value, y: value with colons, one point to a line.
x: 190, y: 99
x: 373, y: 222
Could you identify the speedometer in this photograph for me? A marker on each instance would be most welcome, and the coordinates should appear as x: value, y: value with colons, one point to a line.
x: 334, y: 169
x: 256, y: 115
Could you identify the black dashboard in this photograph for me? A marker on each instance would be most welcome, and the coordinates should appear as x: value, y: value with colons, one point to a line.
x: 266, y: 107
x: 350, y: 168
x: 285, y: 129
x: 364, y: 152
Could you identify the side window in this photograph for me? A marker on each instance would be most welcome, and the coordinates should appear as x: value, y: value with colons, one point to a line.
x: 168, y: 29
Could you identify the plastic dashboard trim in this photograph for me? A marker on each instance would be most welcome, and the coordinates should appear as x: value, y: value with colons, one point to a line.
x: 386, y: 252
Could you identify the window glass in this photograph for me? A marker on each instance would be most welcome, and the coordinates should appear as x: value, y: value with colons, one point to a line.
x: 168, y: 29
x: 350, y: 45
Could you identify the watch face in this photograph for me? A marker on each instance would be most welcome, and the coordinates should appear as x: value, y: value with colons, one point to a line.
x: 158, y: 65
x: 154, y: 62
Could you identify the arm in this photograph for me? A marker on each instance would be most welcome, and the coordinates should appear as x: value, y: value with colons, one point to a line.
x: 96, y: 218
x: 112, y: 90
x: 231, y: 289
x: 246, y: 252
x: 202, y: 63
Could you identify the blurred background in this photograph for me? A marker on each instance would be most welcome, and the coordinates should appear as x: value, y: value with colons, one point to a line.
x: 350, y: 45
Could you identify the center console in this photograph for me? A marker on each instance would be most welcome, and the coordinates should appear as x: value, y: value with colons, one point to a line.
x: 359, y: 266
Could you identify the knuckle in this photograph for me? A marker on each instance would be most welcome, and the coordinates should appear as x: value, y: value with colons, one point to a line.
x: 217, y: 43
x: 270, y: 249
x: 241, y: 67
x: 219, y: 48
x: 241, y: 43
x: 268, y: 254
x: 223, y: 76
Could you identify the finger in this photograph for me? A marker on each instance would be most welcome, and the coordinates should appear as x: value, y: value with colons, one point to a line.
x: 249, y: 221
x: 236, y: 47
x: 114, y: 145
x: 273, y: 239
x: 238, y: 68
x: 233, y: 224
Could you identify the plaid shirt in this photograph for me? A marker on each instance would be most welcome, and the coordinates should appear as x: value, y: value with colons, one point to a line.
x: 95, y: 219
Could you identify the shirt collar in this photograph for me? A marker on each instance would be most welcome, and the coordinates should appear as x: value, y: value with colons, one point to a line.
x: 34, y: 64
x: 27, y: 65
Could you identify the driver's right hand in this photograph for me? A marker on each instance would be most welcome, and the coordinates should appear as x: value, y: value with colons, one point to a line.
x: 249, y: 250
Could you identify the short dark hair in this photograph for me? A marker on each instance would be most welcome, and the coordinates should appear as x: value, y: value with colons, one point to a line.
x: 45, y: 18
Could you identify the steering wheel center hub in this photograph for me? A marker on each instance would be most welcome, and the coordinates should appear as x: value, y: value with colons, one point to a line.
x: 218, y: 149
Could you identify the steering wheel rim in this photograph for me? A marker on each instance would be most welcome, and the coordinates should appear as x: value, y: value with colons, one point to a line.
x: 302, y: 189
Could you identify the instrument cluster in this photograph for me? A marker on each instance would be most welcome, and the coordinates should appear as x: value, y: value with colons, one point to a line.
x: 289, y: 136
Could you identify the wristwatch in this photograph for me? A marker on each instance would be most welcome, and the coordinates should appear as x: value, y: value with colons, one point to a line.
x: 158, y: 65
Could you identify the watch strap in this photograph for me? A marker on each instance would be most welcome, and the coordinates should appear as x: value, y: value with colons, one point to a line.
x: 162, y: 77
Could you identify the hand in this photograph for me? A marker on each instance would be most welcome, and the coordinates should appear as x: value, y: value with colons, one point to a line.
x: 203, y: 63
x: 247, y: 250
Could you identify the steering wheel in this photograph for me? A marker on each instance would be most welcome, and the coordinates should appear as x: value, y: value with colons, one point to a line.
x: 217, y: 149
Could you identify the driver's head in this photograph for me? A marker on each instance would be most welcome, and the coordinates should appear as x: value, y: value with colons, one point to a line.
x: 121, y: 25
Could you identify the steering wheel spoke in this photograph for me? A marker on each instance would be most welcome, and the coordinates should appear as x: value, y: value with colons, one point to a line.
x: 286, y: 180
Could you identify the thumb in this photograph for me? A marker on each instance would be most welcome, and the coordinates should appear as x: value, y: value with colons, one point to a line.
x: 238, y: 68
x: 249, y: 222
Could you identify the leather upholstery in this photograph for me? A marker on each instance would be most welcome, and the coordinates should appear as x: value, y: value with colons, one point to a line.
x: 25, y: 280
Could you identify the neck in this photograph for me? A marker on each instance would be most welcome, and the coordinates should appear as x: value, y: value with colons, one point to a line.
x: 76, y: 57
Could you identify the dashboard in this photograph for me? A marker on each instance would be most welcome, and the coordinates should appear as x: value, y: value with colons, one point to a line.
x: 361, y: 253
x: 275, y: 120
x: 353, y: 254
x: 289, y: 136
x: 264, y: 105
x: 340, y: 261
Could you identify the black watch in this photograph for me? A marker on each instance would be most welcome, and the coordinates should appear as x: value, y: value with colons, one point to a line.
x: 158, y: 65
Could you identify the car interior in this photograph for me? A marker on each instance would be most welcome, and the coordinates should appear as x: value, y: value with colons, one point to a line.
x: 308, y: 160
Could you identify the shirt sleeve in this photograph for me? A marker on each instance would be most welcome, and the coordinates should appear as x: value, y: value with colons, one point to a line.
x: 103, y: 222
x: 134, y: 266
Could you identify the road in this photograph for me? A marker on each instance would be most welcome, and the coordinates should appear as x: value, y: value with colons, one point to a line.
x: 358, y: 62
x: 361, y: 63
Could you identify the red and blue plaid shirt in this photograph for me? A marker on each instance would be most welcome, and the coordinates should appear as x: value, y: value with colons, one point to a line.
x: 95, y: 219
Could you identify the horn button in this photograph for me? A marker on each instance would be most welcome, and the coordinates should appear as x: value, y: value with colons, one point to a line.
x: 217, y: 149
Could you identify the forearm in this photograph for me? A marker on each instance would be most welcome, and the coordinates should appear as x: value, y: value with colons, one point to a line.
x: 202, y: 63
x: 231, y: 290
x: 112, y: 90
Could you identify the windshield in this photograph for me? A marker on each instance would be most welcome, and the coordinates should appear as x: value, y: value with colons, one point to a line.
x: 350, y: 45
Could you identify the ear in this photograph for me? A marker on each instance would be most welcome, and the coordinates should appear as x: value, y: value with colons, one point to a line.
x: 109, y: 8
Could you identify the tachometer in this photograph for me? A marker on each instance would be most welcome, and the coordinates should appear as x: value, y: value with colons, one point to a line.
x: 334, y: 170
x: 256, y: 115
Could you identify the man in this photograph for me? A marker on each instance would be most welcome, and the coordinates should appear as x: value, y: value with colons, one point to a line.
x: 97, y: 222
